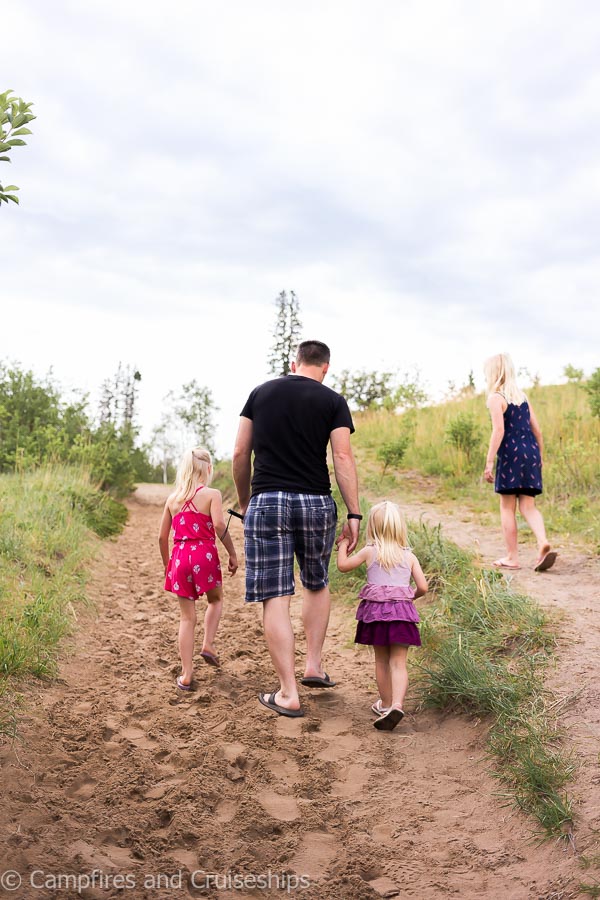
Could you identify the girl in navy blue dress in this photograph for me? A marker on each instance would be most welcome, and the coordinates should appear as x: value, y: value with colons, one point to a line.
x: 516, y: 443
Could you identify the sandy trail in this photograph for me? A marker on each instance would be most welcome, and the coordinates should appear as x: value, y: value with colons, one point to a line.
x: 118, y: 771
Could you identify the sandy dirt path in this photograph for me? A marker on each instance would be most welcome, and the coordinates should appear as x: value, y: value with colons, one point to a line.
x: 118, y: 771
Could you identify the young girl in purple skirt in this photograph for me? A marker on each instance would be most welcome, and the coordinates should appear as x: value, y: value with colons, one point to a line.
x: 387, y: 617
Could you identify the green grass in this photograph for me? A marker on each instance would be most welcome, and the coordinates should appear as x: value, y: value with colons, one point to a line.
x: 49, y: 519
x: 485, y: 651
x: 571, y: 499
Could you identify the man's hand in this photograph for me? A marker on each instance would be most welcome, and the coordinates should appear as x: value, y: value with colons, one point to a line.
x: 350, y: 533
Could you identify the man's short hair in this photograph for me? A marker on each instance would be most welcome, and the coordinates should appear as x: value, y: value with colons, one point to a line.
x: 313, y: 353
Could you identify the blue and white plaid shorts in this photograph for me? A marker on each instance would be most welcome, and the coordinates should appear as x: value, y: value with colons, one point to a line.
x: 279, y: 525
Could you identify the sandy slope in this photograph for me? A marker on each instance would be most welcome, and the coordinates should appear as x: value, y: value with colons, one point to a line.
x: 118, y: 771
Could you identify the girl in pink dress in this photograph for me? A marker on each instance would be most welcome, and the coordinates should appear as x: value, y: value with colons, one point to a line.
x: 196, y: 512
x: 387, y: 617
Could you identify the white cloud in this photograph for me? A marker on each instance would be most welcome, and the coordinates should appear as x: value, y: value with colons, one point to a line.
x: 424, y: 176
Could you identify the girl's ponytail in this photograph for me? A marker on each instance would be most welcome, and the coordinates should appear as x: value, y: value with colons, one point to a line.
x: 386, y: 529
x: 194, y: 469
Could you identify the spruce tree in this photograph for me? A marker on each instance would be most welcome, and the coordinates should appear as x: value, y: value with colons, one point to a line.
x: 286, y: 333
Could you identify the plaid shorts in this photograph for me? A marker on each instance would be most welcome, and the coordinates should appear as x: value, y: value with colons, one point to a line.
x: 279, y: 525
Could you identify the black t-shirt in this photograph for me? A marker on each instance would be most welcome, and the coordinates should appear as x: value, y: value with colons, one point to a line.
x: 293, y: 417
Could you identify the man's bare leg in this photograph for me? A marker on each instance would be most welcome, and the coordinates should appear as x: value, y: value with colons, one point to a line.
x: 279, y: 636
x: 315, y: 617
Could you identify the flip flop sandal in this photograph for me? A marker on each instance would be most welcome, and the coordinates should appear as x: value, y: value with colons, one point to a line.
x: 380, y: 710
x: 389, y: 720
x: 182, y: 686
x: 268, y: 700
x: 546, y: 562
x: 502, y: 565
x: 211, y: 659
x: 317, y: 682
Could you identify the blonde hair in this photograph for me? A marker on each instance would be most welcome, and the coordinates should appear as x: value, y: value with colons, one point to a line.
x: 194, y: 469
x: 501, y: 378
x: 386, y: 529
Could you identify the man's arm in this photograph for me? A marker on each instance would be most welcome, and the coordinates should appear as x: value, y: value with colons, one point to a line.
x: 347, y: 480
x: 242, y: 462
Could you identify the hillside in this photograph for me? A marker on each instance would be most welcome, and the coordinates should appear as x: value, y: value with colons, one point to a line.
x: 433, y: 469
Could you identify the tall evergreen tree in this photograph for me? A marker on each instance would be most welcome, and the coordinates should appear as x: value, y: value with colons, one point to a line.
x: 286, y: 333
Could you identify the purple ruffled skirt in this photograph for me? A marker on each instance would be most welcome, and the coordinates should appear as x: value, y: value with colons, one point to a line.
x: 382, y: 634
x: 386, y: 615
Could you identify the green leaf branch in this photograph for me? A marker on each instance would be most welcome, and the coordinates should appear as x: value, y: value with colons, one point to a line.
x: 15, y: 115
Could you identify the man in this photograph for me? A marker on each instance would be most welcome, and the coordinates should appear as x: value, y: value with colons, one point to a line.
x: 289, y: 511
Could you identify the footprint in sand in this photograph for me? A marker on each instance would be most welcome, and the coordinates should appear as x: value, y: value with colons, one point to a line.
x: 234, y: 753
x: 161, y: 788
x: 226, y: 810
x: 138, y: 737
x: 119, y: 856
x: 83, y: 709
x: 286, y: 727
x: 186, y: 858
x: 83, y: 788
x: 285, y: 768
x: 339, y: 743
x: 282, y: 807
x: 351, y: 783
x: 384, y: 834
x: 314, y: 855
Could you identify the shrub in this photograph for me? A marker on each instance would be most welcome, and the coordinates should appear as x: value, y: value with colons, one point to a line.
x: 592, y: 386
x: 463, y: 433
x: 392, y: 453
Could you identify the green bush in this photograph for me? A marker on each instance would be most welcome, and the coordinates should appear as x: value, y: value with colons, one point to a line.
x: 464, y: 433
x: 592, y: 386
x: 392, y: 452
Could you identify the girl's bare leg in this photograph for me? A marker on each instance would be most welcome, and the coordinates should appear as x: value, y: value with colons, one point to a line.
x: 534, y: 519
x: 382, y: 674
x: 508, y: 520
x: 399, y: 674
x: 187, y: 626
x: 212, y: 617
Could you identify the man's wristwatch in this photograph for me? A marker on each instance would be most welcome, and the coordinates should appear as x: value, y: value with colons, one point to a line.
x: 354, y: 516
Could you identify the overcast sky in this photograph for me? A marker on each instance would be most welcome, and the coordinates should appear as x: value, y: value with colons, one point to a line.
x: 425, y: 176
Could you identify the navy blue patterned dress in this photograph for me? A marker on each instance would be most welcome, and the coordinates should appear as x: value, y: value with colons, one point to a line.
x: 518, y: 465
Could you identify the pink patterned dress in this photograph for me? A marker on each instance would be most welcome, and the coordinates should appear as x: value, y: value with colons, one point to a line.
x: 194, y: 566
x: 386, y: 613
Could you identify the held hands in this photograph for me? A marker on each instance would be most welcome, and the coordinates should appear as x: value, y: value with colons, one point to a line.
x: 349, y: 533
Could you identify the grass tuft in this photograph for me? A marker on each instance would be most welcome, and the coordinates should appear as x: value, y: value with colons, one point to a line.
x: 46, y: 542
x: 485, y: 651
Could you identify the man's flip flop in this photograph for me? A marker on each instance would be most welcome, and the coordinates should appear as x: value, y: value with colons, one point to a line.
x: 268, y: 700
x: 389, y: 720
x: 211, y: 659
x: 500, y: 564
x: 182, y: 686
x: 316, y: 681
x: 380, y: 710
x: 546, y: 562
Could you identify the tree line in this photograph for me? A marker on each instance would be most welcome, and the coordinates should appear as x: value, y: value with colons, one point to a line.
x: 39, y: 425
